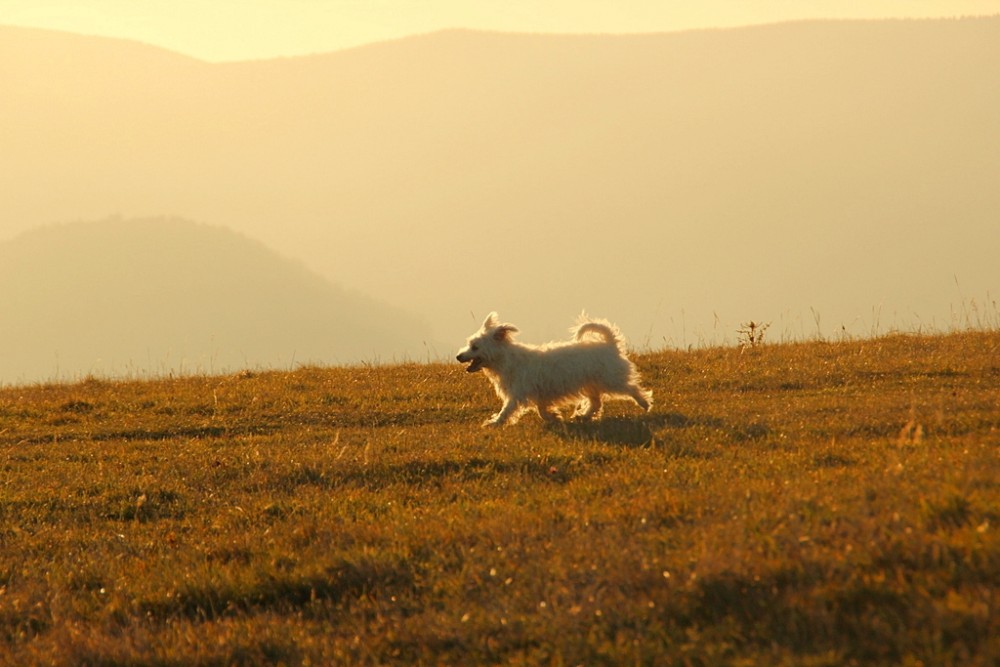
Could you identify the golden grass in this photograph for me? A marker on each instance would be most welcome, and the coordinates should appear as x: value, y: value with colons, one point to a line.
x: 809, y: 503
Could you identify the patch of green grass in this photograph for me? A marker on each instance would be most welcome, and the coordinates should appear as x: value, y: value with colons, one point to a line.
x: 814, y: 503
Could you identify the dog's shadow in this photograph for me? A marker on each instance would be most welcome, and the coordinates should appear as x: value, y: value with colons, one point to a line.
x: 624, y: 431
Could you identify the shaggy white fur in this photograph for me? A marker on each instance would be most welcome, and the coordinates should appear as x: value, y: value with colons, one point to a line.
x: 580, y: 371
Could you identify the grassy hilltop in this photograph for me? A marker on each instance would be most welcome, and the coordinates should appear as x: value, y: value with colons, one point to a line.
x: 814, y: 503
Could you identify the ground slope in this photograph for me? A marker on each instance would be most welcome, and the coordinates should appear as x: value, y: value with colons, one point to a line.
x: 815, y: 503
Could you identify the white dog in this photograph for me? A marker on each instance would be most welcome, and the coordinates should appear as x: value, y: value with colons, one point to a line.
x: 583, y: 370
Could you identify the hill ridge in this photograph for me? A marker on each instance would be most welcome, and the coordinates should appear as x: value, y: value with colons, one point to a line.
x: 163, y: 293
x: 15, y: 29
x: 736, y: 180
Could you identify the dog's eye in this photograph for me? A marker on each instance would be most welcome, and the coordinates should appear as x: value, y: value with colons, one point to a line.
x: 474, y: 348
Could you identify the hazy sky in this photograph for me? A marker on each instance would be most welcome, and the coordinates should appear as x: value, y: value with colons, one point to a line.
x: 828, y: 178
x: 220, y: 30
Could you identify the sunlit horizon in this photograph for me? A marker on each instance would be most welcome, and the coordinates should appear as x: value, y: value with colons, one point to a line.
x: 233, y: 31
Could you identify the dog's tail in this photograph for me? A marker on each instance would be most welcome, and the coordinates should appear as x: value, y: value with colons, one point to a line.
x: 602, y: 328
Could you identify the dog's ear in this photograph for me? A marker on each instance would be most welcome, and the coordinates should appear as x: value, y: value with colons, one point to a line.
x: 504, y: 332
x: 491, y: 321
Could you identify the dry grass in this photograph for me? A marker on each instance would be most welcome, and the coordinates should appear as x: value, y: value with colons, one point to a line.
x: 815, y: 503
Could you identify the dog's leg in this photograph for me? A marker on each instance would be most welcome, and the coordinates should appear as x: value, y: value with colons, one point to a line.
x: 640, y: 396
x: 506, y: 412
x: 548, y: 413
x: 590, y: 407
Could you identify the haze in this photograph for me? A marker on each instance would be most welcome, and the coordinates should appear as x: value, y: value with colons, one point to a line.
x: 833, y: 178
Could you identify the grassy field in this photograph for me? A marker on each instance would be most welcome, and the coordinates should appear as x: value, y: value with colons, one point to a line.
x: 808, y: 504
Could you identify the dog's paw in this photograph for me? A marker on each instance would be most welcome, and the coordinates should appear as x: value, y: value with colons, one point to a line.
x: 492, y: 423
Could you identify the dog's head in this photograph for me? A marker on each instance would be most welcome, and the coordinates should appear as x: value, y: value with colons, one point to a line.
x: 486, y: 345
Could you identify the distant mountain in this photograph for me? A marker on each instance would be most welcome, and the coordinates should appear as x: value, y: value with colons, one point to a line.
x: 165, y: 295
x: 817, y: 175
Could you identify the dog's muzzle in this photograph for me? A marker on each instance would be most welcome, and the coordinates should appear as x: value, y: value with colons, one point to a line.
x: 472, y: 367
